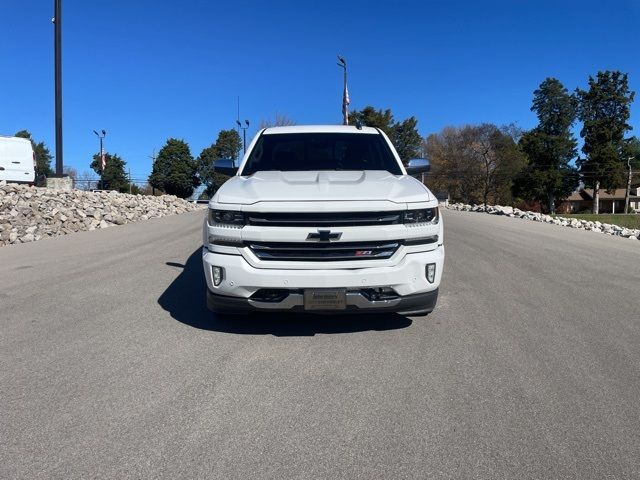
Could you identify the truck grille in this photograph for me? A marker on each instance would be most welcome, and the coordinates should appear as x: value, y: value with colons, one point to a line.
x: 322, y: 252
x: 324, y: 219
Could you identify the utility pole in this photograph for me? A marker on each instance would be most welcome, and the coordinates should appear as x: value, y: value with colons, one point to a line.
x: 628, y: 192
x: 153, y: 157
x: 57, y: 40
x: 129, y: 180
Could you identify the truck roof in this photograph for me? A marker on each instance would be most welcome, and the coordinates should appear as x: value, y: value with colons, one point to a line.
x: 320, y: 129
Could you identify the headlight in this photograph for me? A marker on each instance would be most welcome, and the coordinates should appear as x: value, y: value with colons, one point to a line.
x: 226, y: 218
x: 427, y: 215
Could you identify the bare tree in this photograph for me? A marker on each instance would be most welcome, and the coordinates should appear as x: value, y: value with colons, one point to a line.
x: 281, y: 120
x: 482, y: 148
x: 86, y: 181
x: 72, y: 173
x: 474, y: 163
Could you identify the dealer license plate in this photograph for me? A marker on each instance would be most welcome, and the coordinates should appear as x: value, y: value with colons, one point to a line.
x: 325, y: 299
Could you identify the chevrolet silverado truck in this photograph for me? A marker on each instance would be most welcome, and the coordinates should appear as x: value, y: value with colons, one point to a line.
x: 323, y: 219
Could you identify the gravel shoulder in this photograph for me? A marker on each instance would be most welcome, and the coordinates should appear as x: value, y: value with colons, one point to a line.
x: 28, y: 214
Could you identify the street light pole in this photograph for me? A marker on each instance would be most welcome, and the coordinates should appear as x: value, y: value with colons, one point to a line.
x: 244, y: 137
x: 244, y: 134
x: 101, y: 157
x: 57, y: 40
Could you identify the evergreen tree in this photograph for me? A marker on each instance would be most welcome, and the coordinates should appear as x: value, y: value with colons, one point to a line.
x: 549, y: 147
x: 228, y: 145
x: 406, y: 139
x: 403, y: 135
x: 174, y: 170
x: 113, y: 177
x: 604, y: 110
x: 370, y: 117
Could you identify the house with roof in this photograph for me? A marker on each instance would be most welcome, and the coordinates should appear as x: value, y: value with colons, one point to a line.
x: 610, y: 202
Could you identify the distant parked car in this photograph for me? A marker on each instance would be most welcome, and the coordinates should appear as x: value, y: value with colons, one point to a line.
x: 17, y: 160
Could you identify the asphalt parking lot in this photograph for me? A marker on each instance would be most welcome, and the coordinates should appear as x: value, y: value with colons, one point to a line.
x: 111, y: 366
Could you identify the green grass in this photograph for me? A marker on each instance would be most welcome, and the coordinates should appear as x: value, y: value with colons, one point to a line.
x: 626, y: 221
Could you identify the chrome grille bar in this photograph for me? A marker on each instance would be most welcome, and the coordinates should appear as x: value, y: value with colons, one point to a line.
x: 323, y: 251
x: 323, y: 219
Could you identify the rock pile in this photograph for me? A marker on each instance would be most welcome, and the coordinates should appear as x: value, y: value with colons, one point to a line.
x: 541, y: 217
x: 29, y: 213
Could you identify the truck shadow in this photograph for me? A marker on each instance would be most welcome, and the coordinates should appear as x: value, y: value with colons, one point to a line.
x: 185, y: 300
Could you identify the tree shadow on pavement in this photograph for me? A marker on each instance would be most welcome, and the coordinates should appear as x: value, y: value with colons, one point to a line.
x: 185, y: 300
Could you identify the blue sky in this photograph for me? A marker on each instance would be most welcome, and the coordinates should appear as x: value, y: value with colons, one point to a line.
x: 147, y: 70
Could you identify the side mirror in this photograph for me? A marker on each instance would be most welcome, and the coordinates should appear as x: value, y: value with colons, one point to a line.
x: 225, y: 166
x: 417, y: 166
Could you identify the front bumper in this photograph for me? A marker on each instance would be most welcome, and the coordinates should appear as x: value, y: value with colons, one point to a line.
x: 407, y: 278
x: 417, y: 304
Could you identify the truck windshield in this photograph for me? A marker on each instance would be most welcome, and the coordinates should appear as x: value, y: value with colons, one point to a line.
x: 321, y: 151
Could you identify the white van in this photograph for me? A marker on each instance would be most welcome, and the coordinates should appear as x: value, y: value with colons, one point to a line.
x: 17, y: 160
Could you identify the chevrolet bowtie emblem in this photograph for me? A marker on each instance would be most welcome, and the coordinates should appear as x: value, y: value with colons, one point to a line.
x: 324, y: 236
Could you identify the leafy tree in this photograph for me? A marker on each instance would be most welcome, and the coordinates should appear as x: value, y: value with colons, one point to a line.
x: 228, y: 145
x: 604, y: 110
x: 174, y: 169
x: 113, y: 177
x: 43, y: 156
x: 549, y: 147
x: 404, y: 135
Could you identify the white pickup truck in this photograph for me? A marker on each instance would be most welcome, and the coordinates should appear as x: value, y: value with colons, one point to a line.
x: 323, y: 219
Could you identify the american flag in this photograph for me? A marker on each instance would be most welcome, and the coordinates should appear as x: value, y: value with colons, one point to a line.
x: 103, y: 159
x: 345, y: 105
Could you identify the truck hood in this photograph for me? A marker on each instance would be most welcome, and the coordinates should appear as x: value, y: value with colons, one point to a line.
x: 275, y: 186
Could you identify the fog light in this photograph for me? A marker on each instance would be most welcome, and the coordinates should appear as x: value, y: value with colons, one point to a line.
x: 217, y: 275
x: 431, y: 272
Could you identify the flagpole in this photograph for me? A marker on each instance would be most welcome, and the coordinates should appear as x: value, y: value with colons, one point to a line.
x: 345, y: 93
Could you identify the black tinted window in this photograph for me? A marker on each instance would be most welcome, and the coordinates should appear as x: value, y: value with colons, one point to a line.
x: 321, y: 151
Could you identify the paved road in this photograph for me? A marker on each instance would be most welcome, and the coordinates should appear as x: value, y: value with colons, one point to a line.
x: 110, y: 366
